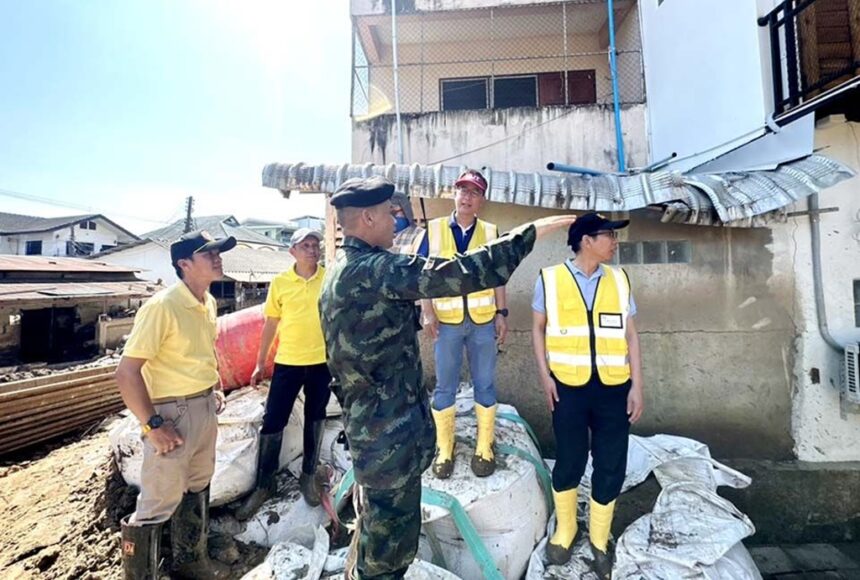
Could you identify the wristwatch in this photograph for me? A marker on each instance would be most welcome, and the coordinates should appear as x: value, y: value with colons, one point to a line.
x: 502, y: 311
x: 154, y: 422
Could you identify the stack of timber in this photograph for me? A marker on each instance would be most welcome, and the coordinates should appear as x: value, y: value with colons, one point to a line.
x: 38, y: 409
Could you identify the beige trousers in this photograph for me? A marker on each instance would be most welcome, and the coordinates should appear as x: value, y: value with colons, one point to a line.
x: 166, y: 478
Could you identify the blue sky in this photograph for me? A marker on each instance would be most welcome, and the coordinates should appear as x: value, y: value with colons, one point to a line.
x: 129, y: 107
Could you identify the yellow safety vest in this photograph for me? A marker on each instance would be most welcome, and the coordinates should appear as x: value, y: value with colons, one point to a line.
x: 482, y: 304
x: 570, y: 327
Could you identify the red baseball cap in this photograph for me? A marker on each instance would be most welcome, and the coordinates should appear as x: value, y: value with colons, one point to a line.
x: 474, y: 177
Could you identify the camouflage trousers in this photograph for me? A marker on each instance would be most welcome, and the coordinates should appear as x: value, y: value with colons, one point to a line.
x: 389, y: 522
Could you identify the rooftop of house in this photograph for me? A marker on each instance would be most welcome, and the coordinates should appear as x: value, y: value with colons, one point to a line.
x: 218, y: 226
x: 13, y: 223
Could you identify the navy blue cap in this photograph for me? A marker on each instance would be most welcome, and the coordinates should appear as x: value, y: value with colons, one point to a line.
x: 591, y: 223
x: 362, y: 192
x: 196, y: 242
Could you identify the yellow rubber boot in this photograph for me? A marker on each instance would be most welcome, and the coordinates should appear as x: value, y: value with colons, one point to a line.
x: 599, y: 522
x: 566, y: 534
x: 443, y: 466
x: 484, y: 462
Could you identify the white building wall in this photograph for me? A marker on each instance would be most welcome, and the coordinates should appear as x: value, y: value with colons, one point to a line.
x: 712, y: 72
x: 54, y: 242
x: 821, y: 429
x: 152, y: 259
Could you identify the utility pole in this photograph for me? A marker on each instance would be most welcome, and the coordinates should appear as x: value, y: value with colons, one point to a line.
x: 189, y: 223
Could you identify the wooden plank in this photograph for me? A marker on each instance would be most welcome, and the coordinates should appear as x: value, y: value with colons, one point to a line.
x: 808, y: 34
x: 27, y: 423
x: 832, y: 19
x: 59, y: 400
x: 854, y: 28
x: 56, y: 429
x: 55, y: 378
x: 52, y: 387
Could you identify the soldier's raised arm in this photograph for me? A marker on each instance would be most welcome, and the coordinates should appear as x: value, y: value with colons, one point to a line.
x: 490, y: 266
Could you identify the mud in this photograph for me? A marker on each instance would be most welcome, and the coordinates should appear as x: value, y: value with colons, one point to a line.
x: 61, y: 510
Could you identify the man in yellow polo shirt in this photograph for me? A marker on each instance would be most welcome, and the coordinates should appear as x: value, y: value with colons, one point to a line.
x: 292, y: 312
x: 168, y: 378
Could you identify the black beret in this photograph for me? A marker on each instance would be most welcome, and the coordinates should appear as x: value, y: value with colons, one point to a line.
x: 362, y: 192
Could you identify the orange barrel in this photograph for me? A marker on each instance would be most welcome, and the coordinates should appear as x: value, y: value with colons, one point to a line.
x: 237, y: 345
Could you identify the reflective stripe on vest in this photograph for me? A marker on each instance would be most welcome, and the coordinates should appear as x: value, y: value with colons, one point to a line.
x: 569, y: 329
x: 440, y: 242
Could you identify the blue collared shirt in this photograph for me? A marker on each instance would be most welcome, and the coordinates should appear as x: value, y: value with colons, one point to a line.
x: 587, y: 285
x: 462, y: 236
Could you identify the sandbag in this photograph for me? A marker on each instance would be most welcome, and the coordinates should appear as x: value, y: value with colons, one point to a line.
x: 236, y: 448
x: 508, y: 509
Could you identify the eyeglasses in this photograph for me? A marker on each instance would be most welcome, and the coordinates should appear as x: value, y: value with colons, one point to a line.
x: 611, y: 233
x: 470, y: 192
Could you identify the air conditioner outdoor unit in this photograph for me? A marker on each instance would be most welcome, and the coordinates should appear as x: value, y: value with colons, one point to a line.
x: 852, y: 373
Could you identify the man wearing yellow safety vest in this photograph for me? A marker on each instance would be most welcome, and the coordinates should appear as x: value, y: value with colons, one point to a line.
x: 475, y: 321
x: 589, y: 364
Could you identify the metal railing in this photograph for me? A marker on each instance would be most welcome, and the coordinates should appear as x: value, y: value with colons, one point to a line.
x: 548, y: 54
x: 796, y: 48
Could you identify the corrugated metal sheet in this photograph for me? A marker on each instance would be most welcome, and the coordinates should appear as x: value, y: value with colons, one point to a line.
x: 10, y: 263
x: 734, y: 199
x: 252, y: 265
x: 47, y: 291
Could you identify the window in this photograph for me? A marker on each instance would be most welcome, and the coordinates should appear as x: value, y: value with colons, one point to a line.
x: 658, y: 252
x: 79, y: 248
x: 581, y: 88
x: 857, y: 303
x: 515, y: 92
x: 463, y: 94
x: 630, y: 253
x: 88, y: 225
x: 33, y: 248
x: 106, y: 247
x: 529, y: 90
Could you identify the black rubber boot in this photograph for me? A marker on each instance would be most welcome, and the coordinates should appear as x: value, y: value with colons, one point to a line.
x: 308, y: 482
x: 267, y: 466
x: 602, y: 563
x: 189, y: 535
x: 140, y: 553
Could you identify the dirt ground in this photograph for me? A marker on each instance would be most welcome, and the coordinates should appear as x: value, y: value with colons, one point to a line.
x: 60, y: 506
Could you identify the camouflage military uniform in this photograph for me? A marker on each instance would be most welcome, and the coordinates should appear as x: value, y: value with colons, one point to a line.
x: 367, y: 316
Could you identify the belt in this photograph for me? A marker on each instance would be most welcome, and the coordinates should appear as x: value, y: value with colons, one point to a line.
x: 197, y: 395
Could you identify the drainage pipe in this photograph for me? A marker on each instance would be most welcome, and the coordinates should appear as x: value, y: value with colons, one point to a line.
x: 616, y: 101
x: 818, y: 290
x: 396, y: 80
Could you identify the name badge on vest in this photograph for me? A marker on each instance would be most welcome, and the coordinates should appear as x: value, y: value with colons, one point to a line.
x: 610, y: 321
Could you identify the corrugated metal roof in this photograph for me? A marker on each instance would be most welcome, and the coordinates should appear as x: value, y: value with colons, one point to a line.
x: 10, y: 263
x: 13, y: 223
x: 250, y: 265
x: 48, y: 291
x: 735, y: 199
x: 218, y: 225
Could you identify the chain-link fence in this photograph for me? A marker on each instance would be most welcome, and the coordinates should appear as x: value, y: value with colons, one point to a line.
x: 488, y: 58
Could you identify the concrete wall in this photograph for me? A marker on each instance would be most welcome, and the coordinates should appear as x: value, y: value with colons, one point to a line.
x: 823, y: 429
x: 514, y: 139
x: 153, y: 259
x: 717, y: 336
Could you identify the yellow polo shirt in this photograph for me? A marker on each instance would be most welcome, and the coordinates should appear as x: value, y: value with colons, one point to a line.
x: 175, y: 333
x: 294, y: 301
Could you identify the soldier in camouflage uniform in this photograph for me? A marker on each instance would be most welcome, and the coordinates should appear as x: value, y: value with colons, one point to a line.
x: 366, y: 310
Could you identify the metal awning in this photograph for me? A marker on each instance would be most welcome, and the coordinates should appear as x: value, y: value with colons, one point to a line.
x: 750, y: 198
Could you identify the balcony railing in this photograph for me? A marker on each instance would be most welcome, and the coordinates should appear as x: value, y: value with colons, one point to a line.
x: 815, y: 47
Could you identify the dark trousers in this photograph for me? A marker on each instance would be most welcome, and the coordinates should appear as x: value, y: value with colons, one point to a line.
x: 287, y: 381
x: 602, y: 411
x: 389, y: 524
